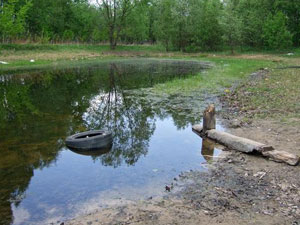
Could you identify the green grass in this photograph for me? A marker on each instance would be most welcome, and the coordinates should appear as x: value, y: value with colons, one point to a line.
x: 76, y: 47
x: 224, y: 73
x: 279, y: 94
x: 21, y: 66
x: 47, y: 55
x: 275, y: 96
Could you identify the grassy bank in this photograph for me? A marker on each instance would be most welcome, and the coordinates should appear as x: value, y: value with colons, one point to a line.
x: 275, y: 95
x: 222, y: 76
x: 20, y: 56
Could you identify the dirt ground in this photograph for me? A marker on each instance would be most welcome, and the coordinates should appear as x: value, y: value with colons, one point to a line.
x: 236, y: 189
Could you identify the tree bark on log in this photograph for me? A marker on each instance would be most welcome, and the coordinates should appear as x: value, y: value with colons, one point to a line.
x: 233, y: 142
x: 282, y: 156
x: 209, y: 118
x: 246, y: 145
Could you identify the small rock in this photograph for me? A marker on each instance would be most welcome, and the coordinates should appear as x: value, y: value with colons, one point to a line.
x: 2, y: 62
x: 235, y: 124
x: 284, y: 186
x: 290, y: 54
x: 206, y: 212
x: 168, y: 188
x: 267, y: 213
x: 32, y: 60
x: 260, y: 174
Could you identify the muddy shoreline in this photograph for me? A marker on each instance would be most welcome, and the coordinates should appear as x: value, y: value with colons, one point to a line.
x: 236, y: 189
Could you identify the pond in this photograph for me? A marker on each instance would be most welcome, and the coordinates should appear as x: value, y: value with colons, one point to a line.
x: 43, y: 182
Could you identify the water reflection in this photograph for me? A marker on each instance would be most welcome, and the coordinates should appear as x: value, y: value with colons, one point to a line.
x: 130, y: 120
x: 207, y: 150
x: 38, y: 110
x: 93, y: 153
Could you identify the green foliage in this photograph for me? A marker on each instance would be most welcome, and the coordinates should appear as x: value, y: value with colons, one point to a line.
x: 164, y: 27
x: 68, y: 35
x: 276, y: 34
x: 136, y: 25
x: 252, y: 14
x: 12, y: 18
x: 232, y: 26
x: 291, y: 9
x: 180, y: 25
x: 207, y: 30
x: 189, y: 25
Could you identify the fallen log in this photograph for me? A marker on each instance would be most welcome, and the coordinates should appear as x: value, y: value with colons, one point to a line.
x: 233, y: 142
x: 282, y: 156
x: 238, y: 143
x: 246, y: 145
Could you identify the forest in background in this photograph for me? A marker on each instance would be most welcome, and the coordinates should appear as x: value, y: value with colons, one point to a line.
x: 181, y: 25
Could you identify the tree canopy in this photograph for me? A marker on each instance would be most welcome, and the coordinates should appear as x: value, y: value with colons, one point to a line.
x: 185, y: 25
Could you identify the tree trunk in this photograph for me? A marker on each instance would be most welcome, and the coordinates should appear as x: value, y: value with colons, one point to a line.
x: 209, y: 118
x: 112, y: 42
x: 112, y: 38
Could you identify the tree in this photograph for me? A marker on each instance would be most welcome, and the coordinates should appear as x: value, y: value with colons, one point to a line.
x: 115, y: 13
x: 164, y: 27
x: 253, y: 14
x: 137, y: 24
x: 12, y: 18
x: 291, y: 9
x: 50, y: 19
x: 181, y: 16
x: 231, y: 25
x: 276, y: 34
x: 206, y: 27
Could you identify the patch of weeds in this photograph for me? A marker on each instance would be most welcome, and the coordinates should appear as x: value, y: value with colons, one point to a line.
x: 223, y: 75
x: 277, y: 96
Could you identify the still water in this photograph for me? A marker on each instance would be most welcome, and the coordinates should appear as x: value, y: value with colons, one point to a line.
x: 43, y: 182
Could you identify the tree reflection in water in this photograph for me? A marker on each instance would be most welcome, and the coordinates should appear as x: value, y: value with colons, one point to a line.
x: 130, y: 119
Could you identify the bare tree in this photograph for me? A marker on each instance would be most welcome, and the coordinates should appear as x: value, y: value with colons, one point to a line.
x: 115, y: 13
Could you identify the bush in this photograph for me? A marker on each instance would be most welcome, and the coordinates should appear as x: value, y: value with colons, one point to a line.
x: 275, y: 32
x: 68, y: 35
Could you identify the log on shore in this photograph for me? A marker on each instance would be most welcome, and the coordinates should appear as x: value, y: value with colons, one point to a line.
x: 246, y: 145
x: 282, y: 156
x: 233, y: 142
